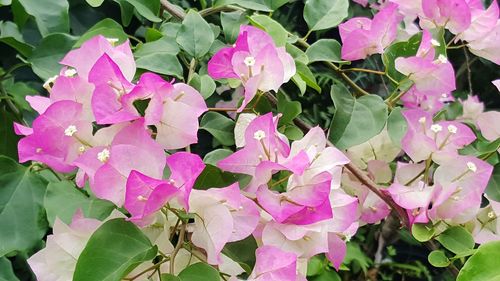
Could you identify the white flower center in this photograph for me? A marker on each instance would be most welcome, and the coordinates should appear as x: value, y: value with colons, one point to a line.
x: 112, y: 41
x: 436, y: 128
x: 249, y: 61
x: 435, y: 43
x: 81, y: 149
x: 444, y: 96
x: 141, y: 198
x: 70, y: 131
x: 472, y: 167
x: 452, y: 129
x: 70, y: 72
x: 441, y: 59
x: 422, y: 120
x: 104, y: 155
x: 491, y: 215
x: 259, y: 135
x: 50, y: 81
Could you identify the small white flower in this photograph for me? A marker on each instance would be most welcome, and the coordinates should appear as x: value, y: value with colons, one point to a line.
x: 104, y: 155
x: 436, y: 128
x: 422, y: 120
x: 171, y: 181
x: 444, y: 95
x: 70, y: 131
x: 38, y: 150
x: 70, y: 72
x: 455, y: 198
x: 472, y: 167
x: 491, y: 215
x: 112, y: 41
x: 435, y: 43
x: 452, y: 129
x: 249, y: 61
x: 50, y: 81
x: 141, y: 198
x: 441, y: 59
x: 259, y: 135
x: 81, y: 149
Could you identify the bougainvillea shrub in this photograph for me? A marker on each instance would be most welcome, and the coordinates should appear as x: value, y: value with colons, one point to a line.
x: 249, y: 140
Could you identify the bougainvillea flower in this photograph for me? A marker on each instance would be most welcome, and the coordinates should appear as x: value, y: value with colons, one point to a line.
x: 75, y: 89
x: 222, y: 215
x: 107, y: 167
x: 255, y: 60
x: 488, y: 123
x: 486, y: 225
x: 58, y: 136
x: 110, y: 87
x: 487, y: 46
x: 425, y: 138
x: 464, y: 179
x: 482, y: 22
x: 455, y: 15
x: 471, y: 108
x: 84, y: 58
x: 430, y: 102
x: 172, y: 109
x: 362, y: 37
x: 274, y: 264
x: 145, y: 195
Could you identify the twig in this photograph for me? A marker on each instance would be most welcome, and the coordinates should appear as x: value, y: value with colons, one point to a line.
x: 180, y: 241
x: 469, y: 74
x: 172, y: 9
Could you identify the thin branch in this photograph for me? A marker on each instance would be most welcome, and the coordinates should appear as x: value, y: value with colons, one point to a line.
x: 180, y: 241
x: 172, y: 9
x: 469, y: 73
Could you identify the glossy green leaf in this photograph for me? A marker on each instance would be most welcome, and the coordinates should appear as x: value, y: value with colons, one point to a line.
x: 423, y: 232
x: 148, y: 9
x: 6, y: 271
x: 22, y: 216
x: 45, y: 58
x: 258, y: 5
x: 307, y: 76
x: 204, y: 84
x: 456, y: 239
x: 274, y: 28
x: 325, y: 14
x: 126, y: 11
x: 327, y: 275
x: 288, y: 109
x: 107, y: 28
x: 231, y: 22
x: 215, y: 156
x: 113, y: 250
x: 493, y: 189
x: 396, y: 126
x: 160, y: 46
x: 195, y: 36
x: 18, y: 91
x: 292, y: 132
x: 316, y: 265
x: 169, y: 277
x: 297, y: 54
x: 10, y: 35
x: 437, y: 258
x: 212, y: 176
x: 355, y: 120
x: 219, y: 126
x: 301, y: 84
x: 50, y: 16
x: 9, y: 138
x: 483, y: 265
x: 199, y: 272
x: 162, y: 63
x: 242, y: 252
x: 62, y: 200
x: 95, y: 3
x: 324, y: 50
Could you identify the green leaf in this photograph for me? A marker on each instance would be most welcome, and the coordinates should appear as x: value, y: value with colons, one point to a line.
x: 212, y: 176
x: 257, y: 5
x: 199, y: 272
x: 483, y: 265
x: 275, y: 29
x: 115, y: 249
x: 493, y: 188
x: 324, y: 14
x: 45, y: 58
x: 316, y: 266
x: 437, y: 258
x: 204, y: 84
x: 423, y: 232
x: 18, y: 91
x: 148, y: 9
x: 126, y: 11
x: 456, y: 239
x: 324, y: 50
x: 301, y: 84
x: 219, y: 126
x: 292, y: 132
x: 396, y: 126
x: 297, y: 54
x: 355, y: 120
x: 107, y: 28
x: 50, y: 16
x: 62, y: 200
x: 95, y: 3
x: 357, y: 256
x: 400, y: 49
x: 242, y: 252
x: 6, y: 271
x: 195, y: 36
x: 10, y: 35
x: 288, y: 109
x: 22, y: 215
x: 9, y: 138
x: 327, y: 275
x: 162, y: 63
x: 231, y: 23
x: 307, y: 76
x: 169, y: 277
x: 160, y: 46
x: 215, y: 156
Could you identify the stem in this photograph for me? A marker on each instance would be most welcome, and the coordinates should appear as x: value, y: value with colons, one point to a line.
x: 192, y: 68
x: 212, y: 10
x: 172, y: 9
x: 12, y: 69
x: 153, y: 267
x: 177, y: 247
x: 364, y: 70
x: 469, y: 73
x: 456, y: 47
